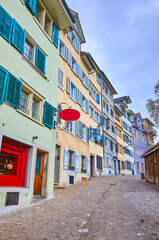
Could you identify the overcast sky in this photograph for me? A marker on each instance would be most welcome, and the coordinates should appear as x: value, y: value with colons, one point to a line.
x: 123, y: 38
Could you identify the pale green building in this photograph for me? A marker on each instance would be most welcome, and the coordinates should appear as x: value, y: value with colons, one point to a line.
x: 29, y: 55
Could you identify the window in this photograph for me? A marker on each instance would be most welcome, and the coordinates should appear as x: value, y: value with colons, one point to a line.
x: 122, y: 165
x: 114, y: 147
x: 99, y: 162
x: 142, y: 167
x: 28, y: 51
x: 62, y: 49
x: 144, y: 139
x: 61, y: 78
x: 34, y: 54
x: 135, y: 134
x: 47, y: 24
x: 108, y: 143
x: 138, y: 122
x: 138, y: 166
x: 139, y: 135
x: 71, y: 158
x: 83, y: 163
x: 75, y: 42
x: 23, y: 101
x: 73, y: 91
x: 91, y: 112
x: 112, y: 113
x: 34, y: 109
x: 39, y: 13
x: 113, y: 129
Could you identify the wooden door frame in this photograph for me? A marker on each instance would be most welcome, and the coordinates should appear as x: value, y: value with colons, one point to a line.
x: 41, y: 169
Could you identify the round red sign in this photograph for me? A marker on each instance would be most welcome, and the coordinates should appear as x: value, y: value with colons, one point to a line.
x: 69, y: 114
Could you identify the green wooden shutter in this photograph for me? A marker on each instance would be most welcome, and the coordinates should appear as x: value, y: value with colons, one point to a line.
x: 3, y: 81
x: 55, y: 35
x: 18, y: 36
x: 32, y: 5
x: 6, y: 22
x: 48, y: 115
x: 40, y: 60
x: 13, y: 91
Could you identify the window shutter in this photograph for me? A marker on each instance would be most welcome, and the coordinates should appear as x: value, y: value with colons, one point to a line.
x: 76, y: 127
x: 18, y: 36
x: 90, y: 134
x: 69, y: 35
x: 87, y: 134
x: 6, y: 22
x: 98, y: 98
x: 3, y: 81
x: 68, y: 85
x: 77, y: 162
x: 80, y: 129
x: 48, y: 115
x: 55, y: 35
x: 101, y: 120
x: 88, y: 165
x: 32, y: 5
x: 65, y: 158
x: 13, y: 91
x: 40, y: 60
x: 87, y: 106
x: 87, y: 83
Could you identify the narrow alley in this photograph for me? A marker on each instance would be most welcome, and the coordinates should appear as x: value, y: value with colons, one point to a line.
x: 112, y: 207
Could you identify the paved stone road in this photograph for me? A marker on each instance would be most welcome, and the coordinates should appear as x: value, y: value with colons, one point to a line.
x: 113, y: 207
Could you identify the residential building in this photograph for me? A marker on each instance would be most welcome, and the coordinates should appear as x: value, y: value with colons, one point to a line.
x: 109, y: 135
x: 119, y: 140
x: 95, y: 116
x: 29, y: 33
x: 152, y: 133
x: 128, y: 116
x: 140, y: 143
x: 72, y: 161
x: 151, y: 158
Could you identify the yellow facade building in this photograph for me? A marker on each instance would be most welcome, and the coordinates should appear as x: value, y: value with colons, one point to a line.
x: 119, y: 140
x: 152, y: 133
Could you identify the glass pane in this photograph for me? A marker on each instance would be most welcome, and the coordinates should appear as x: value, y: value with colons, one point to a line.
x: 28, y: 51
x: 38, y: 163
x: 23, y: 101
x: 34, y: 109
x: 8, y: 164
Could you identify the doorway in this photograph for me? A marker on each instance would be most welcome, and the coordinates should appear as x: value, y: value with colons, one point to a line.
x: 57, y: 164
x: 38, y: 173
x: 92, y: 165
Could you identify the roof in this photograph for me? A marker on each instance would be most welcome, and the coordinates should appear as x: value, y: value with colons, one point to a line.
x: 148, y: 120
x: 124, y: 98
x: 151, y: 150
x: 110, y: 85
x: 78, y: 25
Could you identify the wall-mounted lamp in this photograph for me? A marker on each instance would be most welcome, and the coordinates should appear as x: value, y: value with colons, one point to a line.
x: 35, y: 137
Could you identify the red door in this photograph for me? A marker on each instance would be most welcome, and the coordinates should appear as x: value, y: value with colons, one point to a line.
x: 13, y: 160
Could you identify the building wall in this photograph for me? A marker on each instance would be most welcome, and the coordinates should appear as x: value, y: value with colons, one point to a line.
x: 14, y: 123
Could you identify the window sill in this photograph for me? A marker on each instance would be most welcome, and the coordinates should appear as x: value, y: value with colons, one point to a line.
x: 30, y: 117
x: 61, y: 88
x: 22, y: 2
x: 48, y: 37
x: 33, y: 66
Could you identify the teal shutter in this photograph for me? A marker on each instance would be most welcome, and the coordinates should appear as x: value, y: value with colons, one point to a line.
x: 32, y: 5
x: 6, y: 22
x: 3, y: 81
x: 55, y: 35
x: 77, y: 162
x: 88, y: 165
x: 40, y: 60
x: 65, y: 158
x: 18, y: 36
x: 13, y: 91
x: 48, y: 115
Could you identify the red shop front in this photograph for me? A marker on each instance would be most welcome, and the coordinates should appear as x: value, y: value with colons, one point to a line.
x: 13, y: 161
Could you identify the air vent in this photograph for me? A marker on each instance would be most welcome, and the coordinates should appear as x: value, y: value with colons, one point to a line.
x: 12, y: 198
x: 71, y: 179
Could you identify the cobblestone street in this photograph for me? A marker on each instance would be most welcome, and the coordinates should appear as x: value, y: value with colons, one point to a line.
x: 113, y: 207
